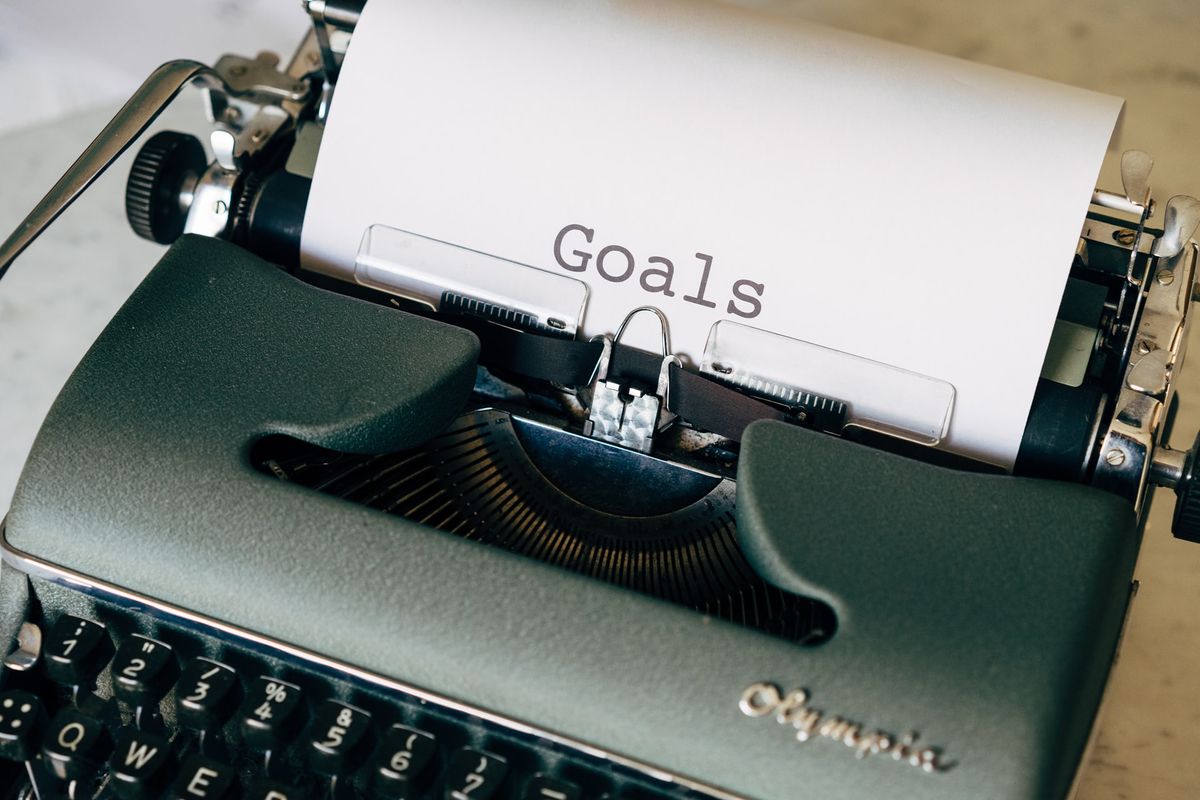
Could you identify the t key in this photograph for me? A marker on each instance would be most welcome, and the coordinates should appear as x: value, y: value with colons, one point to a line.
x: 143, y: 671
x: 76, y: 650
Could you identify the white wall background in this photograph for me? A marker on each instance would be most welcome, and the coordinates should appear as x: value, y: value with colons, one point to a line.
x: 60, y: 56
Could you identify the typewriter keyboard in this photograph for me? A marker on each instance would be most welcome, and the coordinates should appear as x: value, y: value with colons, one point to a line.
x: 120, y: 702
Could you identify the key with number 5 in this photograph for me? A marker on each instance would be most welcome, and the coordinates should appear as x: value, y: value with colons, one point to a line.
x: 207, y: 693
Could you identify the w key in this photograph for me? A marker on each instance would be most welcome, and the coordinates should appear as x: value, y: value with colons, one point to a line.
x: 140, y: 765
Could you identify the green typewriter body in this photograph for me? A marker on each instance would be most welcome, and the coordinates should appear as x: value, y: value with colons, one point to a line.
x: 253, y: 556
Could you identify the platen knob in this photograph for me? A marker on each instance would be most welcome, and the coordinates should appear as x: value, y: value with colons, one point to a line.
x: 167, y: 165
x: 1186, y: 524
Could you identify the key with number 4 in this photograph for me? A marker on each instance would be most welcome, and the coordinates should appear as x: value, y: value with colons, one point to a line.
x: 270, y: 714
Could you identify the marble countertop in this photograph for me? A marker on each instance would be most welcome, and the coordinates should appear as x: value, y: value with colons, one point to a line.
x: 60, y: 295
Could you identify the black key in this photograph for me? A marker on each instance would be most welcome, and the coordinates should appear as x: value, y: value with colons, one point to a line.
x: 22, y: 720
x: 270, y: 713
x: 76, y: 650
x: 207, y: 694
x: 400, y: 767
x: 543, y: 787
x: 474, y: 775
x: 75, y: 746
x: 143, y: 671
x: 202, y: 778
x: 338, y: 737
x: 274, y: 790
x: 140, y: 764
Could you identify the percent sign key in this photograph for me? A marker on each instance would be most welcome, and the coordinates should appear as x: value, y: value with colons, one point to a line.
x: 269, y: 714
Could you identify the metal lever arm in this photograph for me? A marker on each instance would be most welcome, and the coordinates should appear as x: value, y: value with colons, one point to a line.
x: 130, y: 122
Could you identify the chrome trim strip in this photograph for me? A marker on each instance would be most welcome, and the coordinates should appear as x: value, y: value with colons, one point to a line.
x: 36, y: 567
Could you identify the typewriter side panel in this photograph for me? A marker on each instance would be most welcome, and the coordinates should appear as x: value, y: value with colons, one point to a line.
x: 1006, y: 595
x: 141, y: 479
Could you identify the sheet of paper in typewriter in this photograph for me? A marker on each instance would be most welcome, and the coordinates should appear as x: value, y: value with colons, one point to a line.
x: 724, y: 163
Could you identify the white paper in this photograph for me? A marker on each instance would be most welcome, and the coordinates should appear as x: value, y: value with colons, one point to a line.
x: 901, y: 206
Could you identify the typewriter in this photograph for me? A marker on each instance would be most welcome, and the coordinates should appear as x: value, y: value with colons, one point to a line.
x: 455, y: 550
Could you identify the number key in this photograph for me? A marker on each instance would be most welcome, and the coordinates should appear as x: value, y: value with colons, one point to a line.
x: 143, y: 671
x: 474, y: 775
x: 76, y: 650
x: 543, y: 787
x: 207, y: 693
x: 270, y: 713
x: 400, y: 767
x: 338, y: 735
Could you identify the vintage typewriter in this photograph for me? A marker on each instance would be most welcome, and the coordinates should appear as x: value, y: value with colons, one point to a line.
x: 288, y: 536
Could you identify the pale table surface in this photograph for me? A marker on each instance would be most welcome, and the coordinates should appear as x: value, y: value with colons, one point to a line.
x: 69, y: 284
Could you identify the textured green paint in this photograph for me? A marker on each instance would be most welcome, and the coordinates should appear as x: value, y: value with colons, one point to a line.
x: 980, y: 611
x: 992, y: 603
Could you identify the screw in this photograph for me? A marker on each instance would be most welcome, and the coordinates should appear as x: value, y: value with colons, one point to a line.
x: 1165, y: 277
x: 1143, y: 347
x: 1124, y: 237
x: 258, y: 137
x: 237, y: 71
x: 1115, y: 457
x: 724, y: 369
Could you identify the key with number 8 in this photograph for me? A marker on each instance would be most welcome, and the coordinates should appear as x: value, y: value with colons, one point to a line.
x: 206, y: 694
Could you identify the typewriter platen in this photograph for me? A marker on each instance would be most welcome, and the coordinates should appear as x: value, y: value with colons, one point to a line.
x: 209, y: 491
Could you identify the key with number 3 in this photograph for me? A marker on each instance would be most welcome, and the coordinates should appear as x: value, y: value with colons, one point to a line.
x: 207, y: 693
